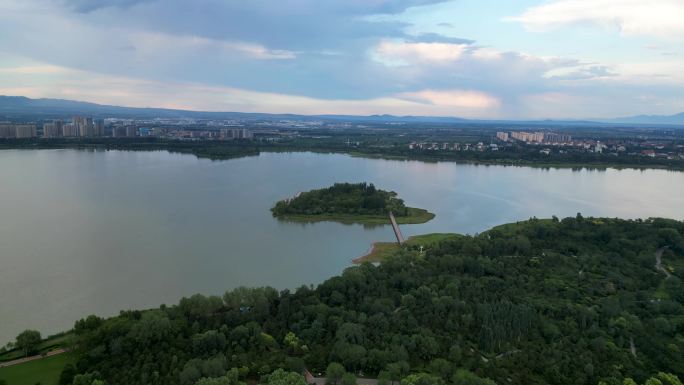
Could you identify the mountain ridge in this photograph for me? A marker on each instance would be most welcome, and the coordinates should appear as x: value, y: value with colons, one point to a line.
x: 46, y: 108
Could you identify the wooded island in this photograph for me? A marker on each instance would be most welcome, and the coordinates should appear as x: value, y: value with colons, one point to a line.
x: 349, y: 203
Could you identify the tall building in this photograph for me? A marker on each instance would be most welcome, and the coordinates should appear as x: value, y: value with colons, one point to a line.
x: 99, y: 127
x: 552, y: 137
x: 131, y: 131
x: 53, y: 129
x: 69, y: 130
x: 236, y: 133
x: 502, y: 136
x: 528, y: 137
x: 85, y: 126
x: 25, y: 131
x: 118, y: 132
x: 89, y: 128
x: 7, y: 131
x: 10, y: 131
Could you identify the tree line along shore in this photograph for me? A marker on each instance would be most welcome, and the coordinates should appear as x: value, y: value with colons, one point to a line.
x: 553, y: 301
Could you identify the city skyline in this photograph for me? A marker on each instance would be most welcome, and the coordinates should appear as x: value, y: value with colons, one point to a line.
x: 560, y: 59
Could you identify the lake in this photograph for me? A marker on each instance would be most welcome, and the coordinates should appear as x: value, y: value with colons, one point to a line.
x: 85, y: 232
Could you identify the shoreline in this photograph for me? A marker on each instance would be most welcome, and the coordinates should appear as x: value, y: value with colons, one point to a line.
x: 381, y: 250
x: 417, y: 216
x: 255, y: 149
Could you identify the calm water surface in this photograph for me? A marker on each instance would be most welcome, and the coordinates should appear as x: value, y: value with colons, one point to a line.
x: 95, y: 232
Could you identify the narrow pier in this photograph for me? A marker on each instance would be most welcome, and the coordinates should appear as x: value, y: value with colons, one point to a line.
x: 395, y: 227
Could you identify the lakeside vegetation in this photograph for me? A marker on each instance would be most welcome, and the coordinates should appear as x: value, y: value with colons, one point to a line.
x: 385, y: 147
x: 213, y: 150
x: 349, y: 203
x: 572, y: 301
x: 381, y: 250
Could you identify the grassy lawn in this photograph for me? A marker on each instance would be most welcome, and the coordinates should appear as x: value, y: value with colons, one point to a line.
x: 45, y: 346
x: 45, y: 371
x: 416, y: 216
x: 428, y: 240
x: 382, y: 250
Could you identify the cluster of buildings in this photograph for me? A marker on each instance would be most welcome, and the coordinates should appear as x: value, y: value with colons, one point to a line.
x: 235, y: 133
x: 78, y: 127
x: 453, y: 146
x: 85, y: 127
x: 129, y: 131
x: 9, y: 130
x: 534, y: 137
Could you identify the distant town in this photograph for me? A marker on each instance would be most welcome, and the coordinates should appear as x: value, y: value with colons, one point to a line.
x: 561, y: 143
x: 86, y: 127
x: 392, y: 138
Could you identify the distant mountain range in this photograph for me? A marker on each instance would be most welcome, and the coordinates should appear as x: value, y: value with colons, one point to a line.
x: 677, y: 119
x: 23, y: 107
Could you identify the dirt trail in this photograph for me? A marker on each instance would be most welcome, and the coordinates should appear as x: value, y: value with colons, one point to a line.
x: 659, y: 262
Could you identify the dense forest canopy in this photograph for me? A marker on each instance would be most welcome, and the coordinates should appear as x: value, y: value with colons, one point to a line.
x: 572, y: 301
x: 343, y: 198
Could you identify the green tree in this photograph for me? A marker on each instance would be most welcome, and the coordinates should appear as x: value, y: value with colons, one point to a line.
x: 334, y: 373
x: 422, y: 379
x: 67, y: 375
x: 669, y: 379
x: 441, y: 368
x: 465, y: 377
x: 231, y: 378
x: 282, y: 377
x: 398, y: 370
x: 292, y: 342
x: 348, y: 379
x: 384, y: 378
x: 28, y: 340
x: 87, y: 379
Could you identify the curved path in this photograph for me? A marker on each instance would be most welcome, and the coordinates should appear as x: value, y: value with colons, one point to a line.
x: 32, y: 358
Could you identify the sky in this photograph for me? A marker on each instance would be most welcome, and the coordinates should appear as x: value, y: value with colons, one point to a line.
x: 488, y: 59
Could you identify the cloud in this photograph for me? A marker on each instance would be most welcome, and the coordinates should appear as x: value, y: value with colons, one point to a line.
x: 661, y: 18
x: 453, y: 98
x: 437, y: 38
x: 156, y: 42
x: 92, y: 5
x: 581, y: 73
x: 45, y: 69
x: 116, y: 90
x: 334, y: 56
x: 406, y: 53
x: 358, y: 7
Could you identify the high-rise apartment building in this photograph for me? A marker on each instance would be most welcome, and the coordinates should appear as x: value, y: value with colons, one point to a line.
x: 69, y: 130
x: 131, y: 131
x: 236, y: 133
x: 7, y: 131
x: 25, y: 131
x: 528, y: 137
x: 552, y: 137
x: 53, y: 129
x: 502, y: 136
x: 99, y: 128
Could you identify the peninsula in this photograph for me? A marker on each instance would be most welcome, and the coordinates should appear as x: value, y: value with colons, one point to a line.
x: 349, y: 203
